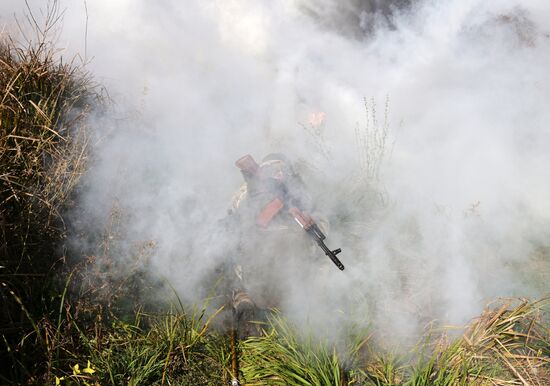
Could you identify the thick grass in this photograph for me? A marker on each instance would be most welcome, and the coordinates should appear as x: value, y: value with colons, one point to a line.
x: 281, y: 357
x: 43, y: 152
x: 508, y: 345
x: 162, y: 349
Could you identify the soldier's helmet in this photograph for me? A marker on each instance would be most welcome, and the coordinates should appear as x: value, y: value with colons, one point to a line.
x: 275, y: 157
x: 276, y: 166
x: 273, y: 177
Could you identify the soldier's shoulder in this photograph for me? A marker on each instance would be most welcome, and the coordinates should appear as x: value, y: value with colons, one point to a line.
x: 239, y: 197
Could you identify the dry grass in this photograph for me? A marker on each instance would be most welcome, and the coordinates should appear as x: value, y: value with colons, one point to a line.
x: 44, y: 105
x: 509, y: 344
x: 42, y: 141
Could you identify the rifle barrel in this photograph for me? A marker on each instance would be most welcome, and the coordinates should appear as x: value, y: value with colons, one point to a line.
x: 331, y: 254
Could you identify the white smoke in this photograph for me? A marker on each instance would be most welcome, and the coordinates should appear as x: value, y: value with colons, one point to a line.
x: 465, y: 173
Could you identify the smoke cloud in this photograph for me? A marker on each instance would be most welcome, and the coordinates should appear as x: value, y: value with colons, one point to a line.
x: 439, y: 198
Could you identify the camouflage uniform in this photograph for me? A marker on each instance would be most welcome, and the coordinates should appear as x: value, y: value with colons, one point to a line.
x: 268, y: 256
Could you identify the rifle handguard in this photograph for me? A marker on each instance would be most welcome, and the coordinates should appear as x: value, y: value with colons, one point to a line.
x: 268, y: 212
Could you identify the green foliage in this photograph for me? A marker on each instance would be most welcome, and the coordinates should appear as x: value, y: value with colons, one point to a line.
x: 282, y: 357
x: 503, y: 346
x: 174, y: 347
x: 382, y: 369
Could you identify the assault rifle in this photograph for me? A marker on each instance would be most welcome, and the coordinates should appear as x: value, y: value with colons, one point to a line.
x: 251, y: 170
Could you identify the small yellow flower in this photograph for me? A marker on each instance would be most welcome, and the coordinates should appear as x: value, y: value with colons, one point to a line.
x: 58, y: 380
x: 76, y: 369
x: 88, y: 369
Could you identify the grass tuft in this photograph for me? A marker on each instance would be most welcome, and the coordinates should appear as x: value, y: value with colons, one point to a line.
x: 44, y: 138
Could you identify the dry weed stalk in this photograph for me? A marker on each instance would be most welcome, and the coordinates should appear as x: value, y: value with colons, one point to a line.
x: 371, y: 140
x: 44, y: 138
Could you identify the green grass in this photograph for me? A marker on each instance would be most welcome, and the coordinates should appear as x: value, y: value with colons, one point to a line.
x: 167, y: 348
x: 280, y: 357
x: 506, y: 345
x: 153, y: 349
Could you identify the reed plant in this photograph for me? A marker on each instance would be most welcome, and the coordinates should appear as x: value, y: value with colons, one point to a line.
x: 507, y: 345
x: 44, y: 138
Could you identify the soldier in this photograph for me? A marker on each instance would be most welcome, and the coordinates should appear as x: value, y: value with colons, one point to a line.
x: 271, y: 246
